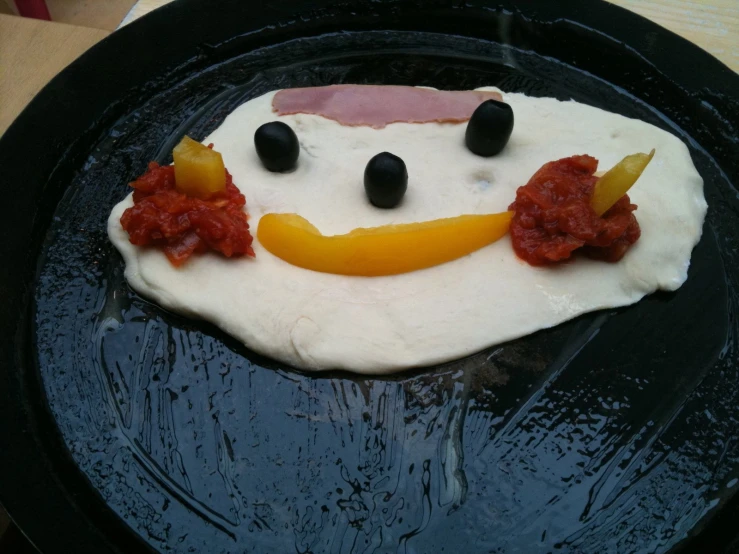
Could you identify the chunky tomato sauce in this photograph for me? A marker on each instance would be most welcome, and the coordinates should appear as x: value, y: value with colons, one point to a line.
x: 554, y: 219
x: 182, y: 225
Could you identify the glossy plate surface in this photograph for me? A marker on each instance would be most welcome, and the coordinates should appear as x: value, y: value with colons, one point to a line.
x: 133, y: 428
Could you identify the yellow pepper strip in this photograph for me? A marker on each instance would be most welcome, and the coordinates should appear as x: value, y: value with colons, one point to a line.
x: 386, y: 250
x: 618, y: 180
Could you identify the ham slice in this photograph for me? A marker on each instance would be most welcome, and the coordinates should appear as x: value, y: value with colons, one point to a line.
x: 379, y: 105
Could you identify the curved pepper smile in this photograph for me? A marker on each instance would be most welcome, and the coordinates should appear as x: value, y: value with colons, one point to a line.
x: 385, y: 250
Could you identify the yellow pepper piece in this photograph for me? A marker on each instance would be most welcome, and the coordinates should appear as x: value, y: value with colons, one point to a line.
x: 618, y: 180
x: 386, y: 250
x: 198, y: 170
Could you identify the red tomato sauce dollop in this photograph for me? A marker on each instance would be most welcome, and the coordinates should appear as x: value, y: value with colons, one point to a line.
x: 182, y: 225
x: 554, y: 218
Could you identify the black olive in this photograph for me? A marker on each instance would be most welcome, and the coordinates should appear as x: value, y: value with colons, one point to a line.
x: 277, y: 146
x: 385, y: 180
x: 489, y: 128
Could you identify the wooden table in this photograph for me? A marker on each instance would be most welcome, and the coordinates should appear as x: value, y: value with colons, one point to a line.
x: 31, y: 53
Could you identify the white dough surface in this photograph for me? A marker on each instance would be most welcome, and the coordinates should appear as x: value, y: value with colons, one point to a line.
x: 318, y: 321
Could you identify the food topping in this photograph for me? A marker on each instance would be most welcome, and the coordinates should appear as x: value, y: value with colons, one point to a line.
x: 554, y: 214
x: 385, y: 180
x: 379, y: 105
x: 199, y: 170
x: 385, y: 250
x: 277, y: 146
x: 618, y: 180
x: 182, y: 225
x: 489, y: 128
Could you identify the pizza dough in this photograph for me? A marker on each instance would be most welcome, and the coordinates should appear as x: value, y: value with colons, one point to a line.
x: 318, y: 321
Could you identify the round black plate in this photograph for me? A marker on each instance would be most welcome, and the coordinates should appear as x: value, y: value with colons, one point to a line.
x: 125, y: 427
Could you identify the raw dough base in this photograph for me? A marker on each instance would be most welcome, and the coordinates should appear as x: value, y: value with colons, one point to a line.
x: 318, y: 321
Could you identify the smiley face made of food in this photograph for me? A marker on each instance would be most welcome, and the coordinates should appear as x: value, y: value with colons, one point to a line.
x: 449, y: 277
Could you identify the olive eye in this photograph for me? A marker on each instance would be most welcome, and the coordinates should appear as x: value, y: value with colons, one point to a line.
x: 489, y: 128
x: 277, y: 146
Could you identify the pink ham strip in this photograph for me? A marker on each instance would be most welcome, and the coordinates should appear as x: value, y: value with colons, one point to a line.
x: 379, y: 105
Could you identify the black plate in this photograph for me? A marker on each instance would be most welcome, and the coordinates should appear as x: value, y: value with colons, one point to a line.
x: 125, y: 427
